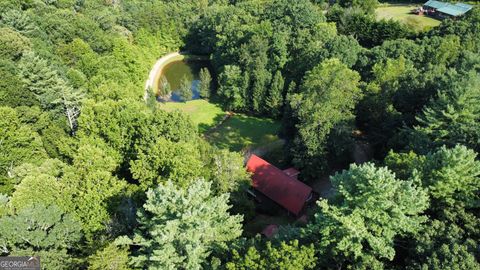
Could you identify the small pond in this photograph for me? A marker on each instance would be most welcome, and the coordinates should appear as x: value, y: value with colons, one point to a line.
x: 174, y: 73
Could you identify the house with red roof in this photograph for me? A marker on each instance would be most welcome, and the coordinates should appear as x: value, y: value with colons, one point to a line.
x: 282, y: 187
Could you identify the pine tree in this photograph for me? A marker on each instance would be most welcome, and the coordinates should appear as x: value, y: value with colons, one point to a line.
x: 369, y: 210
x: 454, y: 117
x: 185, y: 90
x: 50, y: 89
x: 164, y: 88
x: 205, y: 83
x: 179, y: 228
x: 274, y: 100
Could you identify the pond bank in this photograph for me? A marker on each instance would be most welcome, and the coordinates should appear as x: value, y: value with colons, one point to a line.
x: 156, y: 71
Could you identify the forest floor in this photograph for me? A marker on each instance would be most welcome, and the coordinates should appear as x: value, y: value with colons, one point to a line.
x: 401, y: 13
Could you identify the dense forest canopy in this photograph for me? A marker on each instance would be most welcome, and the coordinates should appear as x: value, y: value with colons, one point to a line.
x: 92, y: 176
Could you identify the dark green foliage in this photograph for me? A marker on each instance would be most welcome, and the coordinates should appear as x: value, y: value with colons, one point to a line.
x: 274, y: 99
x: 368, y: 31
x: 12, y: 92
x: 232, y: 88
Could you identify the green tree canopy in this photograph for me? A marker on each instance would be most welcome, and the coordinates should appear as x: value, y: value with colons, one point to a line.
x: 326, y: 101
x: 179, y: 228
x: 368, y: 211
x: 44, y: 231
x: 285, y: 256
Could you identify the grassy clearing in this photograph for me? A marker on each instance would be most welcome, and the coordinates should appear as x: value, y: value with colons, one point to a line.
x: 241, y: 132
x: 202, y: 112
x: 401, y: 13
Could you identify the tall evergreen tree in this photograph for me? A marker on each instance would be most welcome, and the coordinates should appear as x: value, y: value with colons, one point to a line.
x: 274, y: 99
x: 185, y: 90
x: 453, y: 118
x: 179, y: 228
x: 205, y: 83
x: 369, y: 209
x: 50, y: 89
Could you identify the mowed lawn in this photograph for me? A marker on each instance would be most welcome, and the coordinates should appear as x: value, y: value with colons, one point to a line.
x: 203, y: 113
x: 241, y: 132
x: 402, y: 14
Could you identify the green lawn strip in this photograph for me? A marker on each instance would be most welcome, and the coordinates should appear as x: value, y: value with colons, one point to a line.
x: 241, y: 132
x: 203, y: 113
x: 401, y: 13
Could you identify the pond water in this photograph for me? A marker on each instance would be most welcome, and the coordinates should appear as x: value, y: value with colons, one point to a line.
x: 174, y: 73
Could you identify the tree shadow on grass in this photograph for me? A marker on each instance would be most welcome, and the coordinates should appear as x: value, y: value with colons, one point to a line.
x: 241, y: 132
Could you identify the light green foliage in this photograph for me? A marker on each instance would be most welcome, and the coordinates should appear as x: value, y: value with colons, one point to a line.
x: 185, y: 90
x: 3, y: 204
x: 452, y: 176
x: 368, y: 211
x: 33, y: 190
x: 327, y: 98
x: 405, y: 165
x: 18, y: 144
x: 111, y: 257
x: 52, y: 91
x: 12, y: 44
x: 179, y: 228
x: 92, y: 187
x: 18, y: 20
x: 232, y: 87
x: 205, y: 83
x: 164, y: 160
x: 44, y: 231
x: 78, y: 54
x: 285, y: 256
x: 122, y: 123
x: 164, y: 88
x: 453, y: 117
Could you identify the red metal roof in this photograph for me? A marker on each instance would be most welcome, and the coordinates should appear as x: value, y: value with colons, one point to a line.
x: 278, y: 186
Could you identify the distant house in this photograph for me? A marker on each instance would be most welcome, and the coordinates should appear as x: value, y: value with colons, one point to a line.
x: 279, y: 186
x: 444, y: 10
